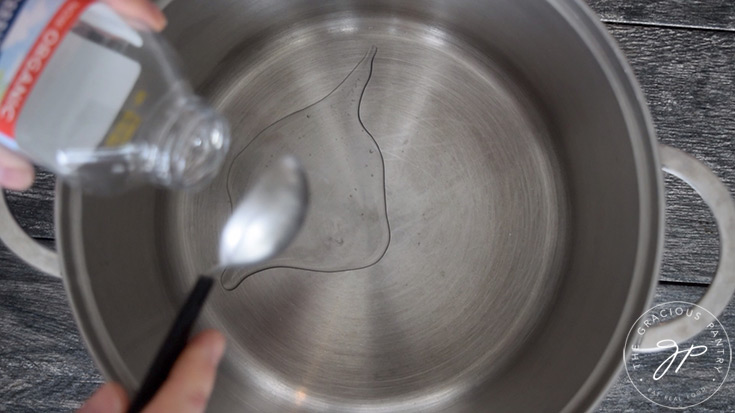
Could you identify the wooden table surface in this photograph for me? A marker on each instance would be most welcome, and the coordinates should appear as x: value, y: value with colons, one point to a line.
x: 683, y: 53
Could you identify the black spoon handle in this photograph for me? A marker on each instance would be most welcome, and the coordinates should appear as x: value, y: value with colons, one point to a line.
x: 173, y: 345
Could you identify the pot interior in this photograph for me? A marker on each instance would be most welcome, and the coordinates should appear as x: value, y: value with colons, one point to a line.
x: 483, y: 214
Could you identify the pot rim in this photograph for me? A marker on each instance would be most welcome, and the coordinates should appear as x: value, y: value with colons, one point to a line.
x: 69, y: 210
x: 651, y: 195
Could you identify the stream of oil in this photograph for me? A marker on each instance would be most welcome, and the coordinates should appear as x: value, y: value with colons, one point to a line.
x: 346, y: 227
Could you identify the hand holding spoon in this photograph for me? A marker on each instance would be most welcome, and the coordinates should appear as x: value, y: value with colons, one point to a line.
x: 261, y: 226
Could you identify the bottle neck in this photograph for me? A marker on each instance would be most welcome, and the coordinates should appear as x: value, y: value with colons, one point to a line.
x: 187, y: 143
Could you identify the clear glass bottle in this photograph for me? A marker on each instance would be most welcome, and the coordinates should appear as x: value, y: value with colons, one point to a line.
x: 109, y: 107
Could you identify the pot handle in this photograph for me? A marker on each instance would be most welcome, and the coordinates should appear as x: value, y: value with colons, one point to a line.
x: 22, y: 245
x: 716, y: 195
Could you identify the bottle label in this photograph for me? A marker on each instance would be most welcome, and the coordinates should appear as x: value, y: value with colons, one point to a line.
x: 30, y: 32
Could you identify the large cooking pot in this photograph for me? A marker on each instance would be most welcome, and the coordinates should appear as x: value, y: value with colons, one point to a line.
x: 487, y: 213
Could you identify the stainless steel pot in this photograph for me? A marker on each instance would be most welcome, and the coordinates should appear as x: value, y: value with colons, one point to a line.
x: 487, y: 220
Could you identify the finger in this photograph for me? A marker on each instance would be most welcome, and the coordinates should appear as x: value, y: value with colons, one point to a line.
x: 110, y: 398
x: 15, y: 172
x: 142, y: 10
x: 190, y: 383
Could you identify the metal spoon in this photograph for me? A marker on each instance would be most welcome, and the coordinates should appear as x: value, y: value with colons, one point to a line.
x: 262, y: 225
x: 267, y: 219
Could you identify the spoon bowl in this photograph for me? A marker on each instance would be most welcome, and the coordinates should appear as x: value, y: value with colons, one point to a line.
x: 268, y: 217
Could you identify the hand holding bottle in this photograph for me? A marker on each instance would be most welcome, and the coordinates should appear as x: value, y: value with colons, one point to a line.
x: 16, y: 173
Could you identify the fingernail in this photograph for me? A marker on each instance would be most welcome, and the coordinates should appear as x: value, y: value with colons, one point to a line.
x: 16, y: 179
x: 159, y: 17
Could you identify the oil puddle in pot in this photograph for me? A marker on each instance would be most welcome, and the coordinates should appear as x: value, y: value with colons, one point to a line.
x: 346, y: 226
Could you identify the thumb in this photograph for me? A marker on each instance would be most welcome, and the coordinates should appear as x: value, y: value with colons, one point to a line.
x: 189, y: 385
x: 15, y: 172
x: 110, y: 398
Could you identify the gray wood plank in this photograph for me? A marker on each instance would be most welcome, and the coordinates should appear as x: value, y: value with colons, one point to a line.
x: 688, y: 78
x: 717, y: 14
x: 34, y: 208
x: 691, y: 239
x: 44, y: 366
x: 623, y: 397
